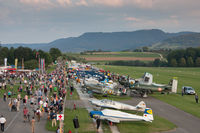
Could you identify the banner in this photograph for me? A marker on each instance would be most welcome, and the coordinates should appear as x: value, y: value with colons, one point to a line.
x: 22, y: 63
x: 5, y: 62
x: 16, y: 60
x: 42, y: 65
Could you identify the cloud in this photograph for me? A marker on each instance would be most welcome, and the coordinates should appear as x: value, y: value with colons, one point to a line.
x: 46, y: 3
x: 64, y: 2
x: 132, y: 19
x: 82, y: 3
x: 141, y: 3
x: 35, y: 2
x: 114, y: 3
x: 142, y: 23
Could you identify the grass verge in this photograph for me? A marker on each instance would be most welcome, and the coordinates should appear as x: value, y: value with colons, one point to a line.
x: 158, y: 125
x: 85, y: 122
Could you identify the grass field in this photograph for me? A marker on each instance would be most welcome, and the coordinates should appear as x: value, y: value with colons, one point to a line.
x: 85, y: 122
x: 122, y: 54
x: 186, y: 77
x: 74, y: 96
x: 158, y: 125
x: 49, y: 127
x: 116, y: 56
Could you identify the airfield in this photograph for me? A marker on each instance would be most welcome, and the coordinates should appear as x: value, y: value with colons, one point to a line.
x: 173, y: 113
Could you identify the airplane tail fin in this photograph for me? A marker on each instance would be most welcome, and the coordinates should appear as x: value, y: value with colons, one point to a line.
x: 174, y: 84
x: 148, y: 115
x: 141, y: 106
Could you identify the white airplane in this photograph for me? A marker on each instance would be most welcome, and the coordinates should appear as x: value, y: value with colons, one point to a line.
x: 105, y: 103
x: 116, y: 116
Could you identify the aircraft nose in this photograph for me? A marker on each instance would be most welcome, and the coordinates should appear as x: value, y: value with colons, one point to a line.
x: 91, y: 114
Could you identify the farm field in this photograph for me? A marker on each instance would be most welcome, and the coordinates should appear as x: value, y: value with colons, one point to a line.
x: 121, y: 54
x: 119, y: 58
x: 185, y: 76
x: 116, y: 56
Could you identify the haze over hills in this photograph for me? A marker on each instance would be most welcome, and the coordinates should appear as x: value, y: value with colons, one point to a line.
x: 113, y: 41
x: 182, y: 41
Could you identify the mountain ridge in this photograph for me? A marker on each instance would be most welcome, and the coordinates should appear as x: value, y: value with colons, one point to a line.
x: 110, y: 41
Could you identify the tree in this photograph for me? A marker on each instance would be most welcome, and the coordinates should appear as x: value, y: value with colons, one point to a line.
x: 197, y: 62
x: 4, y: 51
x: 182, y: 62
x: 31, y: 64
x: 190, y: 52
x: 48, y: 58
x: 156, y: 62
x: 145, y: 49
x: 55, y: 53
x: 190, y: 62
x: 173, y: 63
x: 11, y: 56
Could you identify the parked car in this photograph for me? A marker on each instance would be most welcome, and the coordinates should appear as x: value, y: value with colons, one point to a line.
x: 188, y: 90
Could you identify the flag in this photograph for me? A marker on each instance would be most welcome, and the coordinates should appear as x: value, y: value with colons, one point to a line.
x: 44, y: 64
x: 37, y: 53
x: 16, y: 60
x: 5, y: 62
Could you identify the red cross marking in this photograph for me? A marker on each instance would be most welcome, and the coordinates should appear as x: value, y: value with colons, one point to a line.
x: 60, y: 116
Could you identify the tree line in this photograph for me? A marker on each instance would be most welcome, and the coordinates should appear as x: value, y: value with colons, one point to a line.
x: 30, y: 57
x: 189, y: 57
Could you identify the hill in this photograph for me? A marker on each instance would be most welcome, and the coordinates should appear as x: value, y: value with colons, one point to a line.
x: 182, y: 41
x: 113, y: 41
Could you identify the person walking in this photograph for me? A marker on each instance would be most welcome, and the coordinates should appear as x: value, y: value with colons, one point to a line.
x: 18, y: 105
x: 25, y: 111
x: 4, y: 97
x: 196, y: 98
x: 2, y: 122
x: 10, y: 104
x: 33, y: 124
x: 54, y: 119
x: 38, y: 113
x: 182, y: 92
x: 98, y: 121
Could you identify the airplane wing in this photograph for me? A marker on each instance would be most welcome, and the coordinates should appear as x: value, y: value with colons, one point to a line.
x: 113, y: 120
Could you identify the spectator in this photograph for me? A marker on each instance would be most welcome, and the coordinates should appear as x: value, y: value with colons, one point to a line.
x: 54, y: 119
x: 196, y: 98
x: 33, y: 125
x: 2, y: 121
x: 38, y: 113
x: 25, y: 111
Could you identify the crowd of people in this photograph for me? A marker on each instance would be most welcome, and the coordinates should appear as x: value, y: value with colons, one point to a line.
x: 42, y: 95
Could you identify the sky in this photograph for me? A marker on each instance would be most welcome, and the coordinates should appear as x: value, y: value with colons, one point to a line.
x: 42, y: 21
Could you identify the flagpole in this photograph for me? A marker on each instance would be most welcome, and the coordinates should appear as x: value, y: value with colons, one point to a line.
x: 39, y: 63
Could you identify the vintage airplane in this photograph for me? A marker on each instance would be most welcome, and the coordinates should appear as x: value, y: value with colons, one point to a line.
x: 105, y: 103
x: 145, y: 85
x: 116, y: 116
x: 100, y: 87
